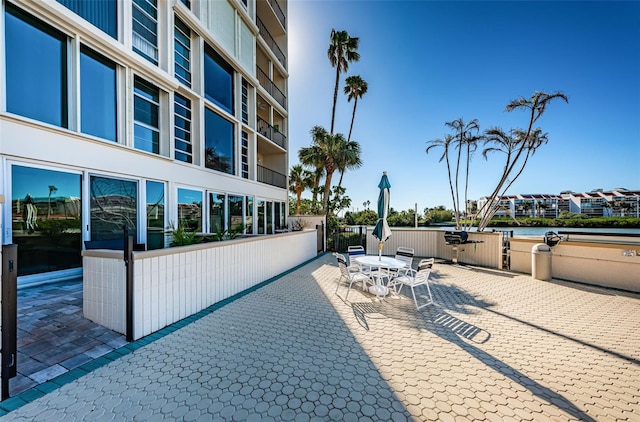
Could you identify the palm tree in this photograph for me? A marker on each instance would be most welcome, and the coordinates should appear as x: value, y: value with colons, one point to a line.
x: 355, y: 88
x: 299, y: 180
x: 341, y: 52
x: 52, y: 189
x: 516, y: 145
x: 445, y: 144
x: 312, y: 157
x: 466, y: 135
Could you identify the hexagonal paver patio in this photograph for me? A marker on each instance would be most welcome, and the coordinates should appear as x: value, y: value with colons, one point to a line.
x: 496, y: 346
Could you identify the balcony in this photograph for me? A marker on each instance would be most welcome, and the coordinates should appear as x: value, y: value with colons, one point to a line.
x: 271, y: 42
x: 271, y: 133
x: 279, y: 13
x: 271, y: 88
x: 271, y: 177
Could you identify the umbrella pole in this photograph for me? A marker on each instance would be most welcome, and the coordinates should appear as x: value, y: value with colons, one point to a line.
x: 380, y: 245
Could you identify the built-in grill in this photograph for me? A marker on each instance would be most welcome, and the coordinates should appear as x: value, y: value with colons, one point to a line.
x: 456, y: 237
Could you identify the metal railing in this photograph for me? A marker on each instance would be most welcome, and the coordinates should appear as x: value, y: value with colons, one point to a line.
x: 271, y: 42
x: 271, y: 177
x: 279, y: 13
x: 271, y: 88
x: 271, y: 133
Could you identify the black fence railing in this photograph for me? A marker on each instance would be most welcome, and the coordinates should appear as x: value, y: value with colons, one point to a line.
x: 272, y: 133
x: 340, y: 238
x: 271, y: 177
x: 266, y: 35
x: 271, y: 88
x: 279, y: 13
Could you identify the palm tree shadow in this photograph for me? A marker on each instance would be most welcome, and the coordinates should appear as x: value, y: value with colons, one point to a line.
x: 437, y: 320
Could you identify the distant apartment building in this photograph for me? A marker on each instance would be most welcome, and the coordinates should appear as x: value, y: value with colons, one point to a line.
x: 597, y: 203
x: 144, y: 113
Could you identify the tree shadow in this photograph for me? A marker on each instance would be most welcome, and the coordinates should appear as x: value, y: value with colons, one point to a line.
x: 437, y: 320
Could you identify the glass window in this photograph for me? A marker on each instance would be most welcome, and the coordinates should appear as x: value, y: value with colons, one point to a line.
x: 155, y: 215
x: 245, y: 155
x: 234, y: 210
x: 97, y: 95
x: 146, y: 105
x: 36, y: 69
x: 46, y: 219
x: 261, y: 216
x: 245, y: 102
x: 182, y: 129
x: 269, y: 217
x: 145, y: 29
x: 190, y: 209
x: 218, y: 140
x: 216, y: 213
x: 186, y: 3
x: 248, y: 216
x: 102, y: 14
x: 278, y: 215
x: 114, y: 203
x: 218, y: 80
x: 182, y: 57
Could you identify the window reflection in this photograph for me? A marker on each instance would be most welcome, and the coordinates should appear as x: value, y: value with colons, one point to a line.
x: 190, y: 209
x: 218, y: 139
x: 113, y: 204
x: 216, y: 212
x: 261, y: 214
x: 248, y: 218
x: 155, y: 215
x: 46, y: 219
x: 235, y: 211
x: 97, y: 95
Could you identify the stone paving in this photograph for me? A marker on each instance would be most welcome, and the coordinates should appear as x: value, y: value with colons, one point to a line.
x: 497, y: 346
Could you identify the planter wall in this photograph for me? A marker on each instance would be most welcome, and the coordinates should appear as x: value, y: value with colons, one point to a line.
x: 174, y: 283
x: 606, y: 264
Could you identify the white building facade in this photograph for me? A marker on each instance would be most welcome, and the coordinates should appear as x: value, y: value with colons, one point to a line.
x: 144, y: 113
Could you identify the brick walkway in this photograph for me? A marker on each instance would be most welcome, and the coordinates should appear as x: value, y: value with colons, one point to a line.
x: 497, y: 346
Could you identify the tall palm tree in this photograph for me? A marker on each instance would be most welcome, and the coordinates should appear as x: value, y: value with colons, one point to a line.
x: 355, y: 88
x: 465, y: 136
x: 341, y: 52
x: 516, y: 145
x: 445, y: 143
x: 348, y: 157
x: 299, y: 180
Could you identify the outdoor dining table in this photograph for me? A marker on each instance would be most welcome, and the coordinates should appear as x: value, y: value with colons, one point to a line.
x: 383, y: 262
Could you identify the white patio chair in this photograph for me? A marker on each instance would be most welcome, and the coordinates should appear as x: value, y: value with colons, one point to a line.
x: 413, y: 279
x: 350, y: 276
x: 353, y: 252
x: 405, y: 255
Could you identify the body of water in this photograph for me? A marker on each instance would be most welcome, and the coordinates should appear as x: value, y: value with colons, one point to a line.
x: 534, y: 231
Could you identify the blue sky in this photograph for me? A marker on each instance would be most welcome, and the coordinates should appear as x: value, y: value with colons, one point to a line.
x: 429, y: 62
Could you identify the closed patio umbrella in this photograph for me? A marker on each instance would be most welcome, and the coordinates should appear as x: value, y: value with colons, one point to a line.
x: 382, y: 231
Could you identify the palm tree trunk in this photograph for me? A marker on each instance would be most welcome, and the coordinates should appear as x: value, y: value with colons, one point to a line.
x: 353, y: 117
x: 327, y: 190
x: 335, y: 98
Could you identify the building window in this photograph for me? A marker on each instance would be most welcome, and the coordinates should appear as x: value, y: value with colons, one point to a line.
x: 114, y: 204
x: 248, y: 215
x: 261, y: 221
x: 245, y: 155
x: 245, y: 102
x: 218, y: 140
x: 218, y: 80
x: 47, y: 222
x: 235, y: 213
x: 155, y: 215
x: 36, y: 69
x: 186, y: 3
x: 182, y: 129
x: 103, y: 14
x: 145, y: 29
x: 190, y: 210
x: 182, y: 57
x: 279, y: 215
x: 216, y: 213
x: 269, y: 217
x: 146, y: 104
x: 98, y: 113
